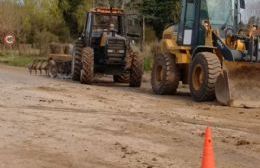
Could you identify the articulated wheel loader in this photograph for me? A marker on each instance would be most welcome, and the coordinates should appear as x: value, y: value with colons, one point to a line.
x: 214, y: 49
x: 104, y: 48
x: 58, y: 62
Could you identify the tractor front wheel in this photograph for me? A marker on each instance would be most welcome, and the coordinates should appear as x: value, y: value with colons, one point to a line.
x: 76, y: 61
x: 136, y: 70
x: 87, y: 72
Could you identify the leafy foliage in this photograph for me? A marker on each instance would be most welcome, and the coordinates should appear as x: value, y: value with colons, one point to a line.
x: 40, y: 21
x: 160, y: 13
x: 69, y: 10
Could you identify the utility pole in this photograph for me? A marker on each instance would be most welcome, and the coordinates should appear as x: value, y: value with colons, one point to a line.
x: 143, y: 34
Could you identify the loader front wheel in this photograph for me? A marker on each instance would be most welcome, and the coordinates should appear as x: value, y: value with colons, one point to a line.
x: 137, y: 70
x: 87, y: 72
x: 76, y: 61
x: 165, y: 75
x: 204, y: 71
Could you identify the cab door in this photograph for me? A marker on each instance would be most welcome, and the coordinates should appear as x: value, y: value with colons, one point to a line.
x: 135, y: 29
x: 88, y: 28
x: 186, y: 25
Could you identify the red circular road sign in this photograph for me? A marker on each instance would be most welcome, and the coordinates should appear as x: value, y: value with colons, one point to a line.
x: 9, y: 39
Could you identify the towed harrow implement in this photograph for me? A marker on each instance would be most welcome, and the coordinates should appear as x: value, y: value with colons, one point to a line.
x: 58, y: 62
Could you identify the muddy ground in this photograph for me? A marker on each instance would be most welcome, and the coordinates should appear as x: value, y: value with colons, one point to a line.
x: 47, y: 123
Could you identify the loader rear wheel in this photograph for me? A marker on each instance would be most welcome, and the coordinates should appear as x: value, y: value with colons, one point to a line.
x: 204, y: 71
x: 52, y: 69
x: 165, y: 75
x: 76, y: 61
x: 124, y: 78
x: 87, y: 72
x: 137, y: 70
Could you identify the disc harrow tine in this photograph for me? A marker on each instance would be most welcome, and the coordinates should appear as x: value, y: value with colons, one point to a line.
x: 40, y: 67
x: 30, y: 68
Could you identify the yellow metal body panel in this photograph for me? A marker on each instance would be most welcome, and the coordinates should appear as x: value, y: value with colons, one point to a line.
x: 169, y: 45
x: 183, y: 58
x: 235, y: 44
x: 240, y: 46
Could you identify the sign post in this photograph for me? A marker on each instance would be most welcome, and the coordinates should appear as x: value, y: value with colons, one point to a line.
x: 9, y: 39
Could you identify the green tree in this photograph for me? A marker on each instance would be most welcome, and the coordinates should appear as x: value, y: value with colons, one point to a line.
x: 43, y: 24
x: 69, y: 9
x: 160, y: 13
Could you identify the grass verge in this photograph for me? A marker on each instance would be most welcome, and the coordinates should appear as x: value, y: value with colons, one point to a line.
x: 148, y: 63
x: 14, y: 59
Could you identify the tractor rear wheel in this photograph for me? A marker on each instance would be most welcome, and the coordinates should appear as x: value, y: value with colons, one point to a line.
x: 165, y: 75
x: 204, y: 71
x: 52, y: 69
x: 124, y: 78
x: 76, y: 61
x: 87, y: 72
x: 136, y: 70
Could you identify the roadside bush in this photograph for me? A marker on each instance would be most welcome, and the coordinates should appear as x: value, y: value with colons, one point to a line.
x: 43, y: 40
x: 148, y: 55
x: 15, y: 59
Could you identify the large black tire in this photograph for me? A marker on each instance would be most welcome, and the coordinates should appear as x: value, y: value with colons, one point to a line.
x: 137, y: 69
x: 165, y: 75
x: 52, y: 69
x: 204, y: 71
x: 87, y: 72
x: 124, y: 78
x: 76, y: 62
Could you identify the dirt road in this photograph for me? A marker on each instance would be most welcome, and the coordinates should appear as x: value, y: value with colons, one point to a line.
x: 47, y: 123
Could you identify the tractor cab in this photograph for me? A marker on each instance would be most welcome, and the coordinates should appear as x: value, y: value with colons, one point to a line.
x: 101, y: 21
x: 104, y: 30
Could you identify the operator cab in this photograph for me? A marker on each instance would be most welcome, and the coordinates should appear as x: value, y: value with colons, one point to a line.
x: 196, y: 15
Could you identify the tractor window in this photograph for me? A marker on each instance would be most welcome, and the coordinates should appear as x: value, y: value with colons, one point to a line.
x: 88, y: 23
x: 103, y: 22
x: 135, y: 29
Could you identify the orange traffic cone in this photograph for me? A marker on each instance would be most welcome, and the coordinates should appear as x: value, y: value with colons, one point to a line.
x: 208, y: 160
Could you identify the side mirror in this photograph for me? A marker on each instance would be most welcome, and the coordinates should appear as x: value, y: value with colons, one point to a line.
x: 242, y: 4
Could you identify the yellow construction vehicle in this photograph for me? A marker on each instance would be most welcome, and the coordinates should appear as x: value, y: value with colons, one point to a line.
x: 210, y: 49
